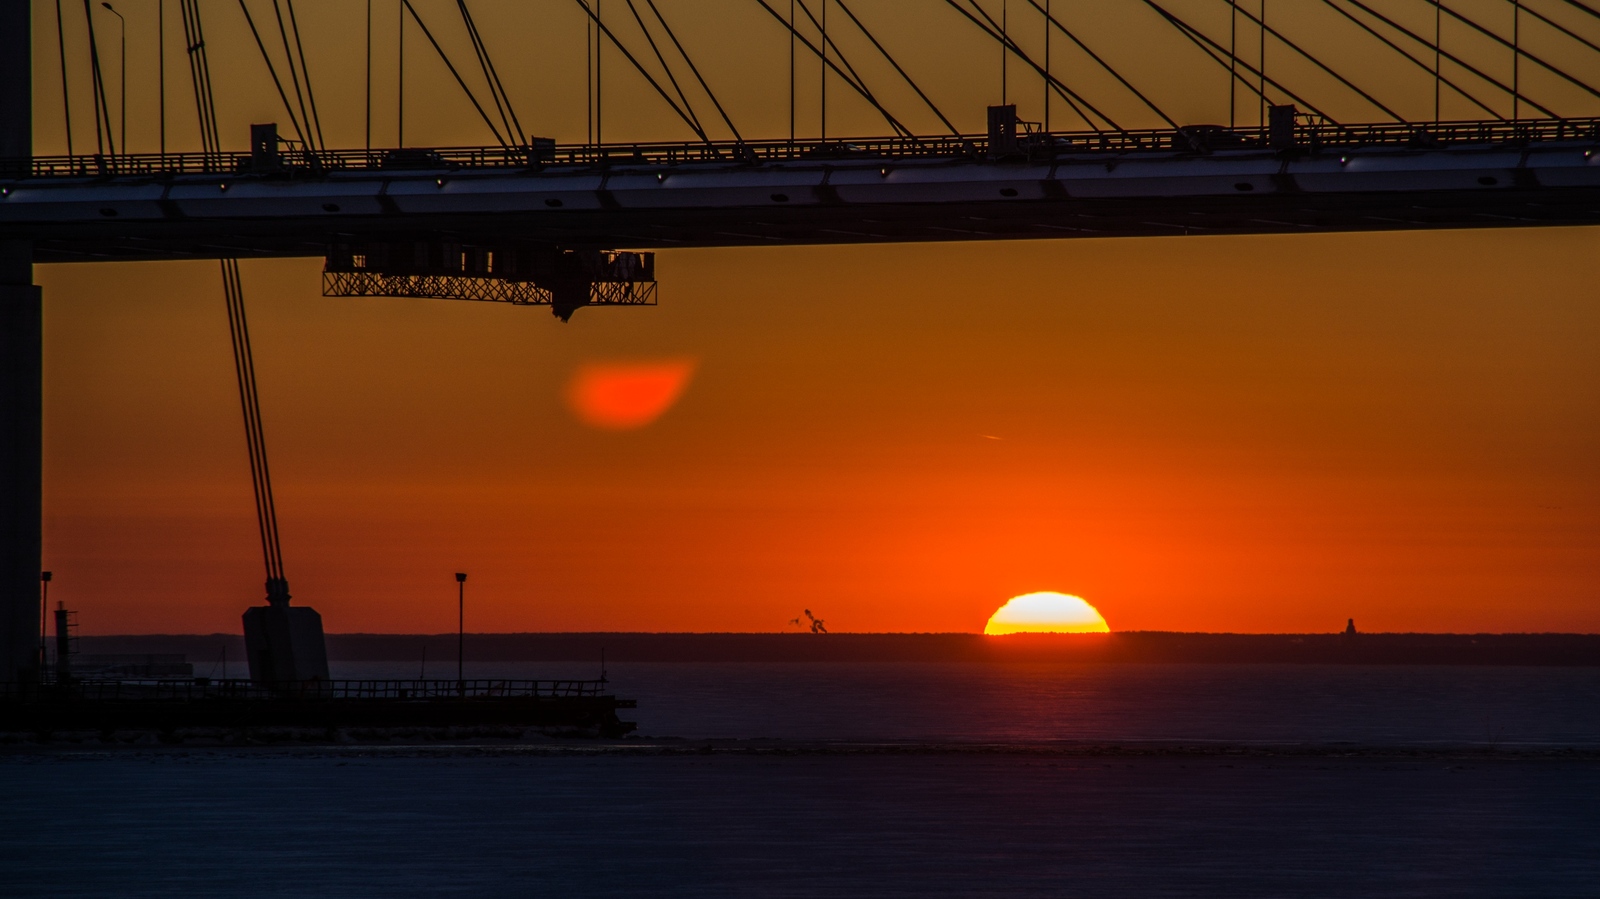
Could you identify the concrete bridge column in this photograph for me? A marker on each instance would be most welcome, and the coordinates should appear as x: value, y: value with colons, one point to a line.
x: 21, y: 377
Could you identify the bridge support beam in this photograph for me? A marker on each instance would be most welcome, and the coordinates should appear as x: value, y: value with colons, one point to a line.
x: 21, y: 378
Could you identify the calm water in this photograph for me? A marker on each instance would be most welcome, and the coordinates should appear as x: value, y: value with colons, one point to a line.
x: 975, y: 800
x: 994, y: 703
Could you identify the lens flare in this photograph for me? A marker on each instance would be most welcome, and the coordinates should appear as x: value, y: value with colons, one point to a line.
x: 1046, y: 613
x: 621, y: 396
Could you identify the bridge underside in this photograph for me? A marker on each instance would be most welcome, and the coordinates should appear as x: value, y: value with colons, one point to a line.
x: 833, y: 224
x: 234, y: 210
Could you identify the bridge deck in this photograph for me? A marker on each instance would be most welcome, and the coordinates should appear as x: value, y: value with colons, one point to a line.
x: 1195, y: 181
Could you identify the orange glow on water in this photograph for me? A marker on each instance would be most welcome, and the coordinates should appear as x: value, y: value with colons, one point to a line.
x: 621, y: 396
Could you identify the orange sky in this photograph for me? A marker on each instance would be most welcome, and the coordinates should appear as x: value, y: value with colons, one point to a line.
x: 1248, y: 434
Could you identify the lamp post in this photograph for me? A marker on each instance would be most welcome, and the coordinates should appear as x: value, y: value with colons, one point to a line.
x: 44, y: 605
x: 122, y: 77
x: 461, y: 626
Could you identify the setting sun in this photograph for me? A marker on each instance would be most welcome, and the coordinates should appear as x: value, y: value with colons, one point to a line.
x: 1046, y: 613
x: 621, y: 396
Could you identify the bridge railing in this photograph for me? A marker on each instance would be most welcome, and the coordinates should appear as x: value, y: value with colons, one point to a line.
x: 207, y: 689
x: 1038, y: 145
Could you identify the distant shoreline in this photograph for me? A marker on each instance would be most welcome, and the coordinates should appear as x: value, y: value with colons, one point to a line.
x: 1121, y: 647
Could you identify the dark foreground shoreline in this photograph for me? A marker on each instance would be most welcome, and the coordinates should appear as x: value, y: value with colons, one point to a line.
x: 1126, y: 647
x: 513, y: 743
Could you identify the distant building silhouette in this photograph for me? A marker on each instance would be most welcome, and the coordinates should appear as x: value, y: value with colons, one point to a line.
x: 1350, y: 628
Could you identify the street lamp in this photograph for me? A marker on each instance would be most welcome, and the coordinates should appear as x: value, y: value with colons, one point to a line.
x: 122, y: 79
x: 461, y: 625
x: 44, y: 605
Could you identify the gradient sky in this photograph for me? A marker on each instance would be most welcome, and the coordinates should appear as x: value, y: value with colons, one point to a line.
x: 1245, y: 434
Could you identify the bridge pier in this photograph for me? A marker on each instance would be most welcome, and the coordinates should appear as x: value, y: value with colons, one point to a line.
x: 21, y: 377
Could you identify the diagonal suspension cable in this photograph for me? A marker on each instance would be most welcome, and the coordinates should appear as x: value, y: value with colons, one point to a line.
x: 1103, y: 64
x: 665, y: 67
x: 445, y: 58
x: 238, y: 328
x: 843, y: 76
x: 1283, y: 39
x: 1447, y: 55
x: 1517, y: 48
x: 294, y: 121
x: 200, y: 77
x: 1231, y: 63
x: 497, y: 89
x: 66, y: 96
x: 105, y: 137
x: 838, y: 51
x: 673, y: 36
x: 992, y: 28
x: 1561, y: 28
x: 897, y: 68
x: 848, y: 72
x: 1365, y: 26
x: 305, y: 73
x: 687, y: 119
x: 249, y: 400
x: 294, y: 77
x: 1586, y: 8
x: 996, y: 31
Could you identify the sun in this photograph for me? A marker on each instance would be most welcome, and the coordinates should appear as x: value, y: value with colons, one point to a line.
x: 621, y: 396
x: 1046, y: 613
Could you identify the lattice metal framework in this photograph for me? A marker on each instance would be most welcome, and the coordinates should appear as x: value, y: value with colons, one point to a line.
x: 490, y: 290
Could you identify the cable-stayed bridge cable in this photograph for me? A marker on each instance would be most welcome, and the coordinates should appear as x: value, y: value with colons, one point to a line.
x: 1052, y: 20
x: 908, y: 79
x: 294, y: 120
x: 1446, y: 54
x: 1268, y: 29
x: 1517, y: 49
x: 687, y: 119
x: 445, y: 58
x: 992, y: 28
x: 665, y: 66
x: 305, y: 72
x: 1407, y: 54
x: 673, y: 36
x: 497, y: 90
x: 830, y: 64
x: 1218, y: 54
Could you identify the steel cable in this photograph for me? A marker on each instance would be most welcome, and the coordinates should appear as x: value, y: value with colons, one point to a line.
x: 897, y: 68
x: 1268, y: 29
x: 1103, y: 64
x: 649, y: 38
x: 1403, y: 52
x: 673, y: 36
x: 445, y: 58
x: 687, y: 120
x: 1073, y: 98
x: 294, y: 121
x: 828, y: 63
x: 1445, y: 53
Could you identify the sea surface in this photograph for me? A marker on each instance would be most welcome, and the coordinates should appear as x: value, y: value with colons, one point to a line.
x: 821, y: 779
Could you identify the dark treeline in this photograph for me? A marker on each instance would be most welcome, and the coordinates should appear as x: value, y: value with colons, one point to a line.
x: 1137, y: 646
